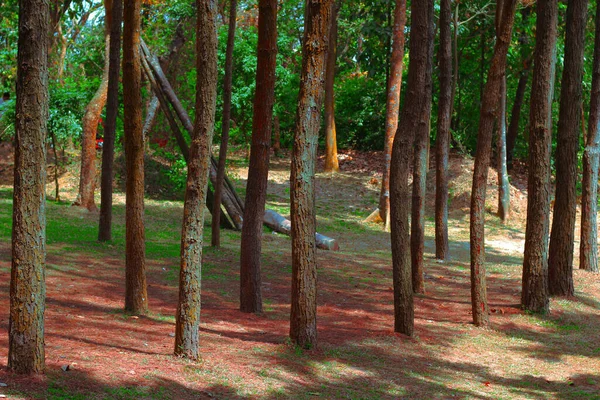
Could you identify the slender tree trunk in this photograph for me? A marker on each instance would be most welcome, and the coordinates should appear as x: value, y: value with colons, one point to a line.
x: 303, y: 317
x: 216, y: 210
x: 488, y: 115
x: 112, y: 109
x: 503, y: 184
x: 535, y: 261
x: 136, y: 297
x: 331, y: 158
x: 413, y: 120
x: 392, y: 105
x: 93, y: 111
x: 588, y: 253
x: 258, y: 170
x: 56, y: 166
x: 515, y: 116
x: 562, y: 238
x: 419, y: 186
x: 443, y: 131
x: 187, y: 323
x: 28, y: 271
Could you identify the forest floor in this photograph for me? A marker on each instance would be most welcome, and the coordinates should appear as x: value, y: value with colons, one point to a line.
x: 111, y: 355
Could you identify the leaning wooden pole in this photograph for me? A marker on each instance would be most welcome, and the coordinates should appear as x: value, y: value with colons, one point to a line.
x: 231, y: 201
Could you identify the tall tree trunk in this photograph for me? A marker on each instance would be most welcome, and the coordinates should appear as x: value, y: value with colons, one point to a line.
x: 392, y: 105
x: 276, y: 136
x: 28, y: 271
x: 258, y: 170
x: 515, y: 116
x: 443, y: 131
x: 489, y: 113
x: 136, y: 297
x: 187, y: 323
x: 562, y: 238
x: 112, y: 109
x: 91, y: 118
x: 413, y: 120
x: 588, y: 253
x: 535, y: 258
x: 503, y: 184
x: 419, y: 186
x: 331, y: 158
x: 216, y: 210
x: 303, y: 316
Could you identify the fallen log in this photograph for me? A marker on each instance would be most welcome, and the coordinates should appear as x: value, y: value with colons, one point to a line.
x: 280, y: 224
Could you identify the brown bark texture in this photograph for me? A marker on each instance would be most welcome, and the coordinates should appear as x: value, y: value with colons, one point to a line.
x: 258, y: 170
x: 91, y: 118
x: 226, y: 123
x: 28, y: 270
x: 392, y: 104
x: 562, y: 237
x: 303, y: 316
x: 588, y: 250
x: 487, y: 118
x: 187, y: 323
x: 535, y: 258
x: 412, y: 121
x: 331, y: 157
x: 443, y: 131
x: 136, y: 297
x: 112, y: 109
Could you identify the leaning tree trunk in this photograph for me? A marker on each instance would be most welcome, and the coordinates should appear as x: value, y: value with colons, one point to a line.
x: 392, y: 105
x: 562, y: 238
x: 303, y: 316
x: 443, y: 132
x: 187, y: 323
x: 515, y: 116
x: 488, y: 115
x: 91, y: 118
x: 112, y: 109
x: 28, y: 272
x: 136, y: 297
x: 413, y: 121
x: 535, y: 258
x: 588, y: 253
x: 216, y: 209
x: 258, y: 170
x: 331, y: 157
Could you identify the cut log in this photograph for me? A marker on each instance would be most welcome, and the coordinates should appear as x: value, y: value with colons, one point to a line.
x: 283, y: 225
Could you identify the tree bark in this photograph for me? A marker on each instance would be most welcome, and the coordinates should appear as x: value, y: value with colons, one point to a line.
x: 488, y: 115
x: 443, y: 131
x: 413, y: 121
x: 535, y: 261
x: 331, y: 157
x: 562, y: 238
x: 258, y: 170
x: 503, y: 184
x: 303, y: 317
x: 392, y: 105
x: 216, y: 210
x: 28, y: 272
x: 588, y: 251
x: 136, y: 298
x: 112, y: 109
x: 91, y: 118
x: 419, y: 186
x: 188, y: 308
